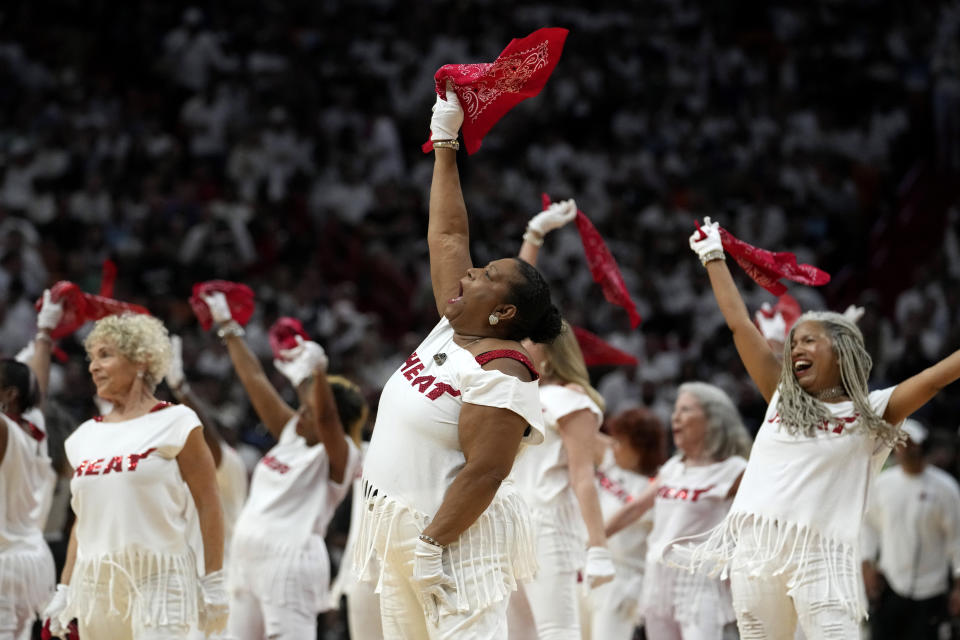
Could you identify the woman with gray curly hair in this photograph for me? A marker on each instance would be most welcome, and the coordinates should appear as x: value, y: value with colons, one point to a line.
x: 790, y: 543
x: 143, y: 481
x: 691, y: 494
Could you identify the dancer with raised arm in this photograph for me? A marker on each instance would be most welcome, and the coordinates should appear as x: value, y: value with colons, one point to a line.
x: 130, y: 570
x: 557, y: 477
x: 450, y: 531
x: 27, y: 479
x: 279, y: 566
x: 790, y: 542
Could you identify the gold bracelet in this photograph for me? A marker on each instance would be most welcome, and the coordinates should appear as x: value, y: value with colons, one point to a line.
x: 446, y: 144
x: 231, y: 328
x: 710, y: 256
x: 42, y: 334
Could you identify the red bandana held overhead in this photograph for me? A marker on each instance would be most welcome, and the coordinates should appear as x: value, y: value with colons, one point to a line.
x: 767, y: 267
x: 239, y: 299
x: 603, y: 267
x: 487, y: 91
x: 597, y: 352
x: 80, y: 307
x: 283, y: 335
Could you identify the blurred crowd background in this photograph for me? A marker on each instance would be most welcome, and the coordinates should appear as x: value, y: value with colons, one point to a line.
x: 277, y: 144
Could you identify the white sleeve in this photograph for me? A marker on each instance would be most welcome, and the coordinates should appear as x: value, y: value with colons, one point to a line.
x: 497, y: 389
x: 951, y: 525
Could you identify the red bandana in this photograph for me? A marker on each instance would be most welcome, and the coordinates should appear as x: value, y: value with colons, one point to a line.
x: 283, y: 335
x: 767, y: 267
x: 603, y: 267
x: 487, y: 91
x: 79, y: 307
x: 239, y: 299
x: 597, y: 352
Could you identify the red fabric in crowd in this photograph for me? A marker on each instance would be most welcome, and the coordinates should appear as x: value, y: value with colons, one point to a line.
x: 283, y: 335
x: 597, y: 352
x: 108, y: 278
x: 788, y: 307
x: 80, y: 307
x: 603, y: 267
x: 487, y: 91
x: 239, y: 299
x: 767, y: 267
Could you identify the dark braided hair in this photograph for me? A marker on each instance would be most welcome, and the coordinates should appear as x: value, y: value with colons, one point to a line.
x: 18, y: 375
x: 537, y: 318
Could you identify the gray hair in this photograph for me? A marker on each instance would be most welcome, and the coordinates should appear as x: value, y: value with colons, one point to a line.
x: 801, y: 413
x: 726, y: 436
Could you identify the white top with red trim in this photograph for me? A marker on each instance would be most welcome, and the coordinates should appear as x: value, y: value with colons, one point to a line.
x: 26, y: 487
x: 617, y: 487
x: 133, y: 511
x: 278, y: 550
x: 415, y: 454
x: 232, y: 482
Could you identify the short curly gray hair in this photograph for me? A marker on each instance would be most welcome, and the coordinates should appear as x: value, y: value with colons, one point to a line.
x: 141, y: 338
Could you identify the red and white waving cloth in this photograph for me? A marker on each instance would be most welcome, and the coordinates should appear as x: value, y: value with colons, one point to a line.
x: 597, y: 352
x: 603, y: 267
x: 283, y: 336
x: 488, y: 90
x: 239, y: 297
x: 766, y: 268
x: 80, y: 307
x: 775, y: 321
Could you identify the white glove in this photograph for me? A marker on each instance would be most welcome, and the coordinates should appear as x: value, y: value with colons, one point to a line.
x: 599, y: 569
x: 56, y: 606
x: 436, y: 589
x: 772, y: 328
x: 50, y: 312
x: 25, y: 355
x: 853, y: 313
x: 299, y: 363
x: 447, y: 116
x: 213, y: 617
x: 707, y: 248
x: 175, y: 375
x: 219, y: 308
x: 553, y: 217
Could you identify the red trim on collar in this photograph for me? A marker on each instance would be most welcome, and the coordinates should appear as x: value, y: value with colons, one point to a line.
x: 487, y: 356
x: 163, y: 404
x: 32, y: 430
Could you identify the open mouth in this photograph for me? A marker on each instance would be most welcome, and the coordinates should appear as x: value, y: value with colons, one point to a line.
x: 459, y: 296
x: 799, y: 366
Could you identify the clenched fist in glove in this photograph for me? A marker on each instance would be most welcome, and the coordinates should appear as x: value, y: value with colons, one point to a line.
x: 706, y: 242
x: 436, y: 589
x: 175, y: 377
x: 213, y: 616
x: 299, y: 363
x: 50, y: 313
x: 447, y: 117
x: 54, y: 608
x: 219, y: 307
x: 553, y: 217
x: 599, y: 568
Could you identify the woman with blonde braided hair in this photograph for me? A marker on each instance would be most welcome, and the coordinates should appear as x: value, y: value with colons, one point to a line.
x: 790, y: 543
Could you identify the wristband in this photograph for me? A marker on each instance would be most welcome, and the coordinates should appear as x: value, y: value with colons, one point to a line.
x: 446, y: 144
x: 533, y: 237
x: 43, y: 335
x: 231, y: 328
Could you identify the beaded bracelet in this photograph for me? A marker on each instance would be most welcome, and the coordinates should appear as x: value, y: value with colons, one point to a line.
x: 710, y: 256
x: 446, y: 144
x: 430, y: 540
x: 43, y: 335
x: 533, y: 237
x: 228, y: 329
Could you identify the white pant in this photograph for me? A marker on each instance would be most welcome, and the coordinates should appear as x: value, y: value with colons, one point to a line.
x: 767, y: 608
x: 16, y: 620
x: 546, y: 608
x: 605, y: 613
x: 363, y: 611
x: 402, y: 611
x: 252, y: 619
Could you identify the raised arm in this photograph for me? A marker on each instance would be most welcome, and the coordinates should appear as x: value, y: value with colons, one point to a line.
x: 916, y: 391
x: 553, y: 217
x: 755, y: 353
x: 39, y: 361
x: 177, y: 382
x: 270, y: 407
x: 448, y: 233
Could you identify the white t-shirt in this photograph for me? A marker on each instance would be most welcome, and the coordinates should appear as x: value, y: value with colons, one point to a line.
x: 232, y: 482
x: 914, y: 523
x: 617, y: 487
x: 278, y: 550
x: 133, y: 511
x: 415, y: 452
x: 690, y: 500
x: 26, y: 487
